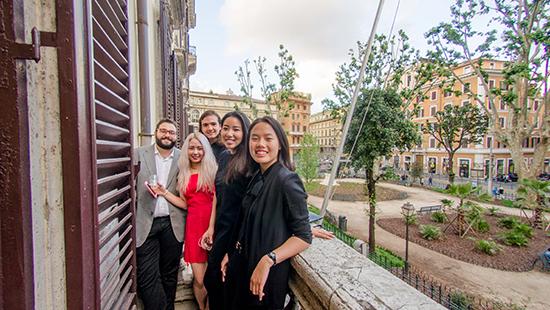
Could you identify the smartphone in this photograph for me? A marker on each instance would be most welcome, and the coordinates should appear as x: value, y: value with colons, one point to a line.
x: 150, y: 189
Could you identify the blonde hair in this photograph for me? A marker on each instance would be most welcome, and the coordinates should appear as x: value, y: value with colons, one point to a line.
x: 208, y: 166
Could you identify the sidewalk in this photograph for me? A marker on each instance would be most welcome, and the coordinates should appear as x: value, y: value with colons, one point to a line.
x: 528, y: 288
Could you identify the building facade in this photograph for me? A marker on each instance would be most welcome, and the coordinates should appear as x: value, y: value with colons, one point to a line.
x: 200, y: 102
x: 473, y: 160
x: 328, y: 132
x: 295, y: 119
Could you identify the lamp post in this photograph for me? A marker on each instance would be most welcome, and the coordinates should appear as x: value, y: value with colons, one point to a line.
x: 408, y: 211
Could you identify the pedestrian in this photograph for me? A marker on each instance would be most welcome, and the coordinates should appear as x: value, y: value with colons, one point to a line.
x: 210, y: 126
x: 159, y: 223
x: 274, y: 225
x: 501, y: 192
x: 430, y: 180
x: 197, y: 172
x: 231, y: 180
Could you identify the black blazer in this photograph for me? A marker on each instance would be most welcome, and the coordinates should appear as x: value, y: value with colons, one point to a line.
x: 274, y: 209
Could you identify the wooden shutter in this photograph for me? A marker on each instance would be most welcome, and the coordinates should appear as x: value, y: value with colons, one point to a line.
x: 111, y: 129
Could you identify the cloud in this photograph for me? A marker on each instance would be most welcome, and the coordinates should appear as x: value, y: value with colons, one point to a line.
x: 318, y: 33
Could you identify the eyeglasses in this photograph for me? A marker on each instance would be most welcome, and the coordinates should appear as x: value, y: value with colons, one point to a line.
x: 165, y: 131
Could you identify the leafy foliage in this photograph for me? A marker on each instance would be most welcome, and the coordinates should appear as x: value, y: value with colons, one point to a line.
x: 488, y: 247
x: 439, y: 217
x: 460, y: 301
x: 417, y: 171
x: 456, y: 126
x: 481, y: 226
x: 533, y: 194
x: 522, y: 27
x: 508, y: 222
x: 514, y: 238
x: 410, y: 219
x: 280, y: 96
x: 308, y: 158
x: 430, y: 232
x: 524, y: 229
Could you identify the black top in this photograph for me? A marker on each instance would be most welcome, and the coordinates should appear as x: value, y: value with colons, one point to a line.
x: 228, y: 207
x: 274, y: 209
x: 217, y: 149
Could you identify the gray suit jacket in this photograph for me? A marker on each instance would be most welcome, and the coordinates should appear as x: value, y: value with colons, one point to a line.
x: 145, y: 208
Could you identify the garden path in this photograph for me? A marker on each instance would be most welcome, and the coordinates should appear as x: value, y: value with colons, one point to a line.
x: 524, y: 288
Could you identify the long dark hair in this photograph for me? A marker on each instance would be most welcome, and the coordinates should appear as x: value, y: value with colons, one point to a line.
x: 238, y: 164
x: 210, y: 113
x: 284, y: 155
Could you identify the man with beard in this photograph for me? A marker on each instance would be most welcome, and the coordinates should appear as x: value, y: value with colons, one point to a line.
x: 159, y: 224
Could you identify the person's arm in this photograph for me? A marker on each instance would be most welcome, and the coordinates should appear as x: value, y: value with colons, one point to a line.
x: 290, y: 248
x: 172, y: 198
x: 208, y: 237
x: 297, y: 220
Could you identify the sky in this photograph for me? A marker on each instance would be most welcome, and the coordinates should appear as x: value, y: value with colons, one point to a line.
x: 318, y: 33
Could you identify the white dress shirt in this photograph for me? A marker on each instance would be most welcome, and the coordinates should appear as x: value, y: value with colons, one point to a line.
x: 163, y: 169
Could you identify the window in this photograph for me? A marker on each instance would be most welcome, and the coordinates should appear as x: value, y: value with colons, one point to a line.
x: 467, y: 69
x: 195, y: 114
x: 421, y: 112
x: 492, y: 65
x: 535, y: 141
x: 464, y: 143
x: 466, y: 87
x: 409, y: 79
x: 491, y: 84
x: 489, y: 142
x: 502, y: 105
x: 503, y: 85
x: 434, y: 95
x: 489, y: 105
x: 465, y: 103
x: 536, y: 124
x: 502, y: 122
x: 433, y: 110
x: 432, y: 143
x: 525, y: 143
x: 447, y: 93
x: 305, y: 128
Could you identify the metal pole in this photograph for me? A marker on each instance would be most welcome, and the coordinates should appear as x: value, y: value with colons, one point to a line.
x: 336, y: 161
x: 407, y: 244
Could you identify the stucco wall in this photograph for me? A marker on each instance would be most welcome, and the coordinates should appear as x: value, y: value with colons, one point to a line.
x: 45, y: 164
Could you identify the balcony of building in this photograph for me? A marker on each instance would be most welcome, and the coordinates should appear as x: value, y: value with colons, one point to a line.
x: 332, y: 275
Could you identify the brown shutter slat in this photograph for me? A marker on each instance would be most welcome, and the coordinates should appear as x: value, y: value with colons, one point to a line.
x: 108, y: 79
x: 108, y: 61
x: 114, y: 192
x: 114, y: 19
x: 110, y: 46
x: 104, y: 112
x: 112, y: 247
x: 104, y: 94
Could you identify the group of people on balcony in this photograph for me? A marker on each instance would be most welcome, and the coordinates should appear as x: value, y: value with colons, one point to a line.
x: 231, y: 200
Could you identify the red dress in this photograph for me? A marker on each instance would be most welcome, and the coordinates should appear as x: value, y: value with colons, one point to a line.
x: 199, y: 209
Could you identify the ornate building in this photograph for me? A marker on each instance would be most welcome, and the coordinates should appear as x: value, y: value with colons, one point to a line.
x: 471, y: 160
x: 296, y: 119
x: 328, y: 131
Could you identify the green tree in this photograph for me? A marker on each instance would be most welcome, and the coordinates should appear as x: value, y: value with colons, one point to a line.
x: 541, y: 191
x: 517, y: 32
x: 271, y: 94
x: 455, y: 127
x: 462, y: 192
x: 308, y: 158
x: 417, y: 171
x: 380, y: 124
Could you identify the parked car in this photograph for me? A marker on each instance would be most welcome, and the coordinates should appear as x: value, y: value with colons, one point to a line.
x: 506, y: 178
x: 513, y: 177
x: 545, y: 176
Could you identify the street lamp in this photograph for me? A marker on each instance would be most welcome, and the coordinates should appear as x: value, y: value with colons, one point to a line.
x: 408, y: 211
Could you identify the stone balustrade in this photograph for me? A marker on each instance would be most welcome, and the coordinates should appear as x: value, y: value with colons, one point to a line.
x: 332, y: 275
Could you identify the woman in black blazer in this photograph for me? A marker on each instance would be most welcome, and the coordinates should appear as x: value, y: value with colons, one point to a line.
x: 274, y: 224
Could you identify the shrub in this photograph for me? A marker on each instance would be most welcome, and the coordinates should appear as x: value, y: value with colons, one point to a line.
x: 481, y: 226
x: 460, y: 301
x: 488, y: 247
x: 430, y: 232
x: 439, y: 217
x: 514, y: 238
x: 508, y: 203
x: 524, y: 229
x: 386, y: 258
x: 508, y: 222
x: 493, y: 211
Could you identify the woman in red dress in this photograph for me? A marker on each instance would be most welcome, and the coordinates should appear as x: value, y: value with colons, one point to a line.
x: 197, y: 172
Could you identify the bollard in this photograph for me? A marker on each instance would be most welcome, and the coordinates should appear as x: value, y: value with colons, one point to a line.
x: 342, y: 223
